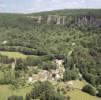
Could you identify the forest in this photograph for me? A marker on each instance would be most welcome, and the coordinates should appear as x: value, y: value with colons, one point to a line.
x: 77, y: 43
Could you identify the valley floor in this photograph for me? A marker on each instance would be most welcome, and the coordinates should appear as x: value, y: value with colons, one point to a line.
x: 75, y: 94
x: 6, y: 91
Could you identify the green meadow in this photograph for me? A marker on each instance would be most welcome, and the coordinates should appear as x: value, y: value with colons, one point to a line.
x: 13, y: 54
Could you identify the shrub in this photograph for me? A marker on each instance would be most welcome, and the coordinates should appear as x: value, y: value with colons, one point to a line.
x: 48, y: 65
x: 4, y: 59
x: 35, y: 71
x: 15, y: 97
x: 99, y: 91
x: 53, y: 97
x: 89, y: 89
x: 48, y: 57
x: 59, y: 57
x: 8, y: 77
x: 32, y: 61
x: 27, y: 96
x: 20, y: 64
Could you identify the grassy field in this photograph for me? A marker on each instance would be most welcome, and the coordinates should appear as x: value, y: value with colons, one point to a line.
x: 13, y: 54
x: 78, y: 84
x: 16, y: 54
x: 79, y: 95
x: 6, y: 91
x: 75, y: 94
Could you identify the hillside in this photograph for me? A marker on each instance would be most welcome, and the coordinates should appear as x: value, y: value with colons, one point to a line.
x: 73, y: 36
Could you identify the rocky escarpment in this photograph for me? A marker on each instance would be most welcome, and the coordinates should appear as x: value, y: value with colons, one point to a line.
x: 92, y: 21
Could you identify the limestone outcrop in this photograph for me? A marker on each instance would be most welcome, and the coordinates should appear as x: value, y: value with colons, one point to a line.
x: 63, y: 20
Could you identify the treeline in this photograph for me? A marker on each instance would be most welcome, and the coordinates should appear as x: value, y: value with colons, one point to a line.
x: 43, y: 62
x: 89, y: 66
x: 24, y: 50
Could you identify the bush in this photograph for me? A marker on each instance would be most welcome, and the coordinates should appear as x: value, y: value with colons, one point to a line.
x: 27, y: 96
x: 4, y: 59
x: 15, y: 97
x: 35, y: 71
x: 59, y: 57
x: 53, y: 97
x: 40, y: 52
x: 89, y: 89
x: 32, y: 61
x: 8, y: 77
x: 18, y: 83
x: 48, y: 57
x: 20, y: 64
x: 99, y: 91
x: 48, y: 65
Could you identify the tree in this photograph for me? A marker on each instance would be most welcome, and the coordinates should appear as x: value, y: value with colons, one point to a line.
x: 20, y: 64
x: 99, y: 91
x: 89, y: 89
x: 27, y: 96
x: 42, y: 88
x: 48, y: 65
x: 45, y: 91
x: 70, y: 75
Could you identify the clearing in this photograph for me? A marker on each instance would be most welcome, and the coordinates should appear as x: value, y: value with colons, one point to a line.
x: 76, y: 94
x: 16, y: 54
x: 5, y: 91
x: 13, y: 54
